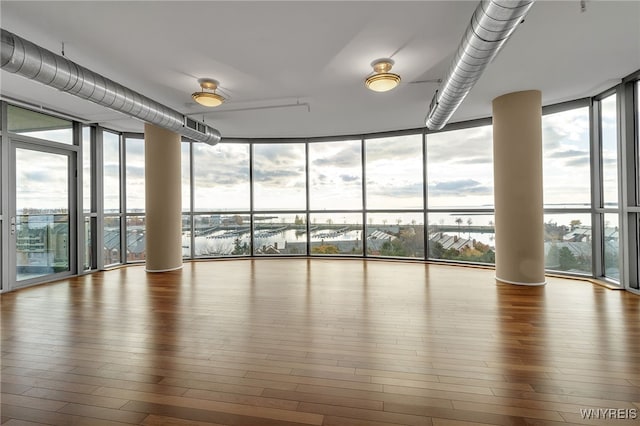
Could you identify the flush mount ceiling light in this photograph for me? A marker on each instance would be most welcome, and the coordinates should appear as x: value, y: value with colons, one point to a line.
x: 208, y: 99
x: 382, y: 80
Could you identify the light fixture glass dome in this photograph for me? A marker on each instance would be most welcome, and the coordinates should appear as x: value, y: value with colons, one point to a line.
x: 208, y: 99
x: 382, y: 80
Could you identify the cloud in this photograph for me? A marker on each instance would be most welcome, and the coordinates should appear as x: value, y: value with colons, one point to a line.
x: 135, y: 172
x: 578, y: 162
x: 275, y: 156
x: 464, y: 146
x: 459, y: 187
x: 229, y: 179
x: 551, y: 138
x: 327, y: 156
x: 566, y: 128
x: 568, y: 153
x: 135, y: 147
x: 475, y: 160
x: 283, y: 177
x: 396, y: 148
x: 223, y: 164
x: 39, y: 176
x: 574, y: 158
x: 221, y: 174
x: 349, y: 178
x: 279, y: 165
x: 111, y: 169
x: 388, y: 189
x: 321, y: 178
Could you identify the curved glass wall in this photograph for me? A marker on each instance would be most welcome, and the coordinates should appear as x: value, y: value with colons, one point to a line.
x: 401, y: 195
x: 406, y: 194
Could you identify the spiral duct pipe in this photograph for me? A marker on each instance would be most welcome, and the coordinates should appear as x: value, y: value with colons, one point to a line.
x: 29, y: 60
x: 492, y: 23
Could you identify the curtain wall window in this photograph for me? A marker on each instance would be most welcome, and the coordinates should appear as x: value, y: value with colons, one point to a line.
x: 112, y: 250
x: 460, y: 195
x: 568, y: 239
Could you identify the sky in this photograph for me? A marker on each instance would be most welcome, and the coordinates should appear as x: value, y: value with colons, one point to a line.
x: 335, y: 175
x: 565, y: 137
x: 460, y: 168
x: 41, y: 181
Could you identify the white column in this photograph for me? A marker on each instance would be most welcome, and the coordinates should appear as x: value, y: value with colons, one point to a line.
x: 163, y: 199
x: 517, y: 160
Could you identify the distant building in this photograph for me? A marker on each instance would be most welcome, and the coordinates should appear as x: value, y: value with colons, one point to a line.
x: 451, y: 242
x: 578, y: 234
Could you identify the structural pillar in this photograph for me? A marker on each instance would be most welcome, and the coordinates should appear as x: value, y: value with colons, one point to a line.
x: 517, y: 170
x: 163, y: 186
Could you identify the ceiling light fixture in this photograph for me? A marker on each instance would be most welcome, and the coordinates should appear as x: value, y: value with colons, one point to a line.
x: 382, y: 80
x: 208, y: 99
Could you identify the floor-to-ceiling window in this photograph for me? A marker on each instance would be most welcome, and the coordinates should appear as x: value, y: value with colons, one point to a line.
x: 335, y: 197
x: 221, y: 201
x: 460, y: 194
x: 566, y: 163
x: 394, y: 196
x: 186, y: 190
x: 608, y: 208
x: 89, y: 206
x: 135, y: 198
x: 279, y: 199
x: 368, y: 195
x: 112, y: 204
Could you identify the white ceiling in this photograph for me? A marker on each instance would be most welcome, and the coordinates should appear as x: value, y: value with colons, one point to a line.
x: 316, y: 53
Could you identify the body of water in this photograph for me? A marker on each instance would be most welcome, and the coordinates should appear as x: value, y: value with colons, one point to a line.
x: 223, y: 242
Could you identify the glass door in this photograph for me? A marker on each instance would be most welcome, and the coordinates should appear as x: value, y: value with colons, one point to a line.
x: 41, y: 221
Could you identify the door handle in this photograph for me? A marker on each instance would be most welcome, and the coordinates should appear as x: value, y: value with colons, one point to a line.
x: 13, y: 225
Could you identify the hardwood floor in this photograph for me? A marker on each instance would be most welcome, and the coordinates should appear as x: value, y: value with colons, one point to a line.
x: 318, y: 342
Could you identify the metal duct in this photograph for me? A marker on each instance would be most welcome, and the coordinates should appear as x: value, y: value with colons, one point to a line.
x: 491, y: 25
x: 22, y: 57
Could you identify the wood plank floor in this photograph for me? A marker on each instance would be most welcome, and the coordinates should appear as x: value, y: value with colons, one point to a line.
x: 318, y: 342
